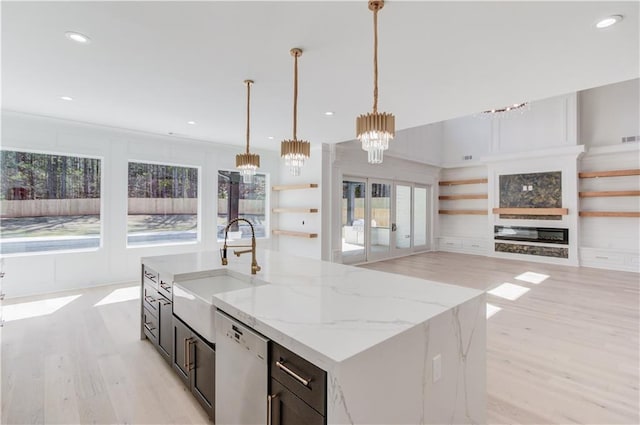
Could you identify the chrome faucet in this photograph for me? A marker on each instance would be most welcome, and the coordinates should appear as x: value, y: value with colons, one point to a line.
x: 223, y: 252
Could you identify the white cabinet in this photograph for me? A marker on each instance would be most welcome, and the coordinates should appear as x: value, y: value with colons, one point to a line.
x: 610, y: 259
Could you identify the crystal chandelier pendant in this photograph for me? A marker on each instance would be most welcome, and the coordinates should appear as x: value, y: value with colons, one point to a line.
x: 294, y: 151
x: 247, y: 163
x: 375, y: 129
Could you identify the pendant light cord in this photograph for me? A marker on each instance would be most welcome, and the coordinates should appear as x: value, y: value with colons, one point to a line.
x: 375, y: 61
x: 248, y: 112
x: 295, y: 96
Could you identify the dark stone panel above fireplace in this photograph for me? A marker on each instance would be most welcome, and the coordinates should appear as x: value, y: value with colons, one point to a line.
x: 545, y: 251
x: 531, y: 190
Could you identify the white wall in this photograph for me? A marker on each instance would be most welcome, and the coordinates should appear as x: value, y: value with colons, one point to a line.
x: 113, y: 262
x: 418, y: 144
x: 609, y: 113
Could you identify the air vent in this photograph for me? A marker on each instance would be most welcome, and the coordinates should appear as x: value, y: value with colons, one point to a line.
x: 467, y: 157
x: 630, y: 139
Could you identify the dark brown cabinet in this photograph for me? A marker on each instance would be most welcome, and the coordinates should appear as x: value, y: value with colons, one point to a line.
x: 288, y: 409
x: 157, y: 314
x: 194, y: 361
x: 298, y: 389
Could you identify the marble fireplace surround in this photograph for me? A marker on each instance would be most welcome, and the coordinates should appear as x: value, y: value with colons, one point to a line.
x: 552, y: 173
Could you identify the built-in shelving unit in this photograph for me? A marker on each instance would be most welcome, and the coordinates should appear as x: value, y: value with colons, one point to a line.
x: 459, y: 182
x: 532, y: 211
x: 609, y: 193
x: 463, y: 212
x: 611, y: 173
x: 295, y: 210
x: 463, y: 196
x: 295, y: 186
x: 295, y: 234
x: 609, y: 214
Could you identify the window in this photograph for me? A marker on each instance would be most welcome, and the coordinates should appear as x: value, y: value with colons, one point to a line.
x: 49, y: 202
x: 163, y: 204
x: 241, y: 200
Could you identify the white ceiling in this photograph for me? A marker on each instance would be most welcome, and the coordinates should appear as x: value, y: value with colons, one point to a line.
x: 153, y: 66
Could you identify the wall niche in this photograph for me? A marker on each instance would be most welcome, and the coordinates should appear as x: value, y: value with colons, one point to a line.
x: 531, y: 190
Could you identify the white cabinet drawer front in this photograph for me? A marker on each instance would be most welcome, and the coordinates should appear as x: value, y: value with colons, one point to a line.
x: 602, y: 257
x: 450, y: 243
x: 474, y: 244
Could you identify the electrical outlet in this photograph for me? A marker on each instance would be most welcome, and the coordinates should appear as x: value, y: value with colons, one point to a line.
x: 530, y: 187
x: 436, y: 365
x: 524, y: 188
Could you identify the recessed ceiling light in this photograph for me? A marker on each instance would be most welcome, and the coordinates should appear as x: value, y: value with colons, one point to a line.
x: 191, y: 122
x: 77, y: 37
x: 328, y: 113
x: 270, y: 137
x: 608, y: 21
x: 66, y: 98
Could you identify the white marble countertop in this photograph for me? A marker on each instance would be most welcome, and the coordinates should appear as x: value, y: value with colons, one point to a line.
x: 323, y: 311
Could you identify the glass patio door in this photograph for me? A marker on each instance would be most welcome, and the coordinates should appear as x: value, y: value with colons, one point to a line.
x: 402, y: 224
x: 354, y: 216
x: 381, y: 220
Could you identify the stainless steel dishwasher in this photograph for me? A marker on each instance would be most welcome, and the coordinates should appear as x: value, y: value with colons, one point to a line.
x: 241, y: 373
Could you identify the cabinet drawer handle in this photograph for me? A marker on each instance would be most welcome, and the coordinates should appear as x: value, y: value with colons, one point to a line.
x: 187, y: 353
x: 601, y: 257
x: 294, y: 375
x: 165, y: 286
x: 148, y: 327
x: 270, y: 407
x: 150, y: 276
x: 149, y: 299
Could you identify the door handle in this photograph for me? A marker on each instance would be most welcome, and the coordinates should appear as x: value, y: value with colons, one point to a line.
x: 394, y: 227
x: 270, y: 407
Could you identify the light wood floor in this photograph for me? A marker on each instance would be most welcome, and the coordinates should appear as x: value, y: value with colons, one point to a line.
x: 564, y: 352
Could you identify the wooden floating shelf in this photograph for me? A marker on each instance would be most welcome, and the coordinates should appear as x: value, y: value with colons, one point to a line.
x: 532, y: 211
x: 295, y: 234
x: 610, y: 193
x: 463, y: 212
x: 612, y: 173
x: 295, y: 186
x: 458, y: 182
x: 609, y: 214
x: 463, y: 196
x: 294, y: 210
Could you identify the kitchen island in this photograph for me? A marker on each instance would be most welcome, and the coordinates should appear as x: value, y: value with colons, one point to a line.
x: 395, y: 349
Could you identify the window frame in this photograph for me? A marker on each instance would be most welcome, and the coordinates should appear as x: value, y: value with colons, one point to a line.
x: 267, y: 203
x: 198, y: 239
x: 103, y: 167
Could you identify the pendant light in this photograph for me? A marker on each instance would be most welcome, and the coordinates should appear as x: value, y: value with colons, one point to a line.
x: 375, y: 129
x: 248, y: 162
x: 295, y: 151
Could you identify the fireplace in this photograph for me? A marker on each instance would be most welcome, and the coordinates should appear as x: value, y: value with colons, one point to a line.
x: 532, y: 234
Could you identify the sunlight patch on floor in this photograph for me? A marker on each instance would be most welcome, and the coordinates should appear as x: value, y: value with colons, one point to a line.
x: 532, y: 277
x: 492, y: 309
x: 509, y: 291
x: 35, y: 308
x: 120, y: 295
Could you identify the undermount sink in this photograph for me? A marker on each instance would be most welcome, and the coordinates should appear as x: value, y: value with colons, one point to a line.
x: 192, y: 298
